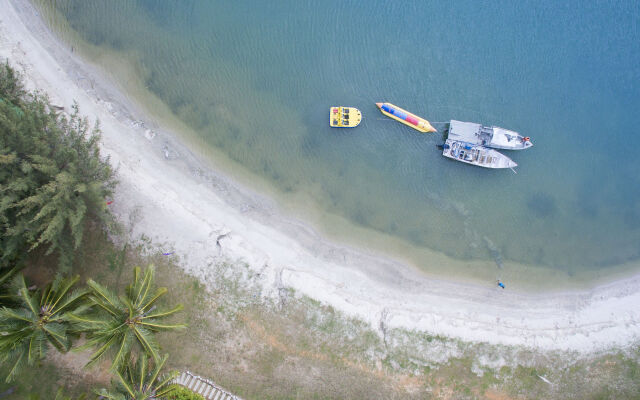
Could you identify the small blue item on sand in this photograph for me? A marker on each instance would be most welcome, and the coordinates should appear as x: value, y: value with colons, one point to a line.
x: 167, y: 254
x: 501, y: 284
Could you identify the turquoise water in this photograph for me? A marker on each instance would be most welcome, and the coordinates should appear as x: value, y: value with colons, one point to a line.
x: 256, y: 79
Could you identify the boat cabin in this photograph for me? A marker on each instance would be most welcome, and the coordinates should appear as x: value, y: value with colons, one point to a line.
x: 490, y: 136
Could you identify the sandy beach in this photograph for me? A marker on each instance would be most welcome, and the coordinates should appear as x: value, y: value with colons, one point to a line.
x: 170, y: 196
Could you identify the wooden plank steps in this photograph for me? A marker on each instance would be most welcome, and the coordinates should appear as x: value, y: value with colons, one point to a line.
x: 204, y: 387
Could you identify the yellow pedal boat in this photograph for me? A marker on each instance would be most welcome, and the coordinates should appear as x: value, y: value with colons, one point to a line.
x: 405, y: 117
x: 344, y: 117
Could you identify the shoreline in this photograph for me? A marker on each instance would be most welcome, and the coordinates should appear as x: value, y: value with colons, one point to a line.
x: 166, y: 193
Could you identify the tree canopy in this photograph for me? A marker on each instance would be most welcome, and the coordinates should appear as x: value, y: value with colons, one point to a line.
x: 141, y: 381
x: 51, y: 174
x: 123, y: 324
x: 39, y: 319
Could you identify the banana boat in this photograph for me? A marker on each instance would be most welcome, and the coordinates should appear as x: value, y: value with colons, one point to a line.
x: 405, y: 117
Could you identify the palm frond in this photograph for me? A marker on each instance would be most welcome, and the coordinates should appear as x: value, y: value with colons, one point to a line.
x: 57, y: 335
x: 148, y: 341
x: 107, y: 395
x: 124, y: 349
x: 23, y: 295
x: 159, y: 293
x: 104, y: 297
x: 97, y: 356
x: 37, y: 347
x: 126, y: 384
x: 72, y: 299
x: 61, y: 287
x: 15, y: 369
x: 158, y: 367
x: 162, y: 327
x: 19, y: 314
x: 142, y: 288
x: 161, y: 314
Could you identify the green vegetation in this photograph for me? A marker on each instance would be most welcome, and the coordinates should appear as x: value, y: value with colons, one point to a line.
x: 121, y: 323
x: 40, y: 319
x: 51, y: 175
x: 181, y: 393
x: 140, y: 381
x: 52, y: 182
x: 6, y: 275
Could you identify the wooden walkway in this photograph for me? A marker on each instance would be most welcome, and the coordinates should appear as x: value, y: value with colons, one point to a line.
x: 204, y: 387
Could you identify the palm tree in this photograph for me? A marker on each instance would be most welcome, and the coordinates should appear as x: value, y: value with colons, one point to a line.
x: 122, y: 324
x: 39, y: 319
x: 139, y: 382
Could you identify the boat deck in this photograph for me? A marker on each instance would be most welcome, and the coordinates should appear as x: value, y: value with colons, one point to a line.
x: 344, y: 117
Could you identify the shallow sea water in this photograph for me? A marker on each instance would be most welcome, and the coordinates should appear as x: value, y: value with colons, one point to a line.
x: 256, y: 80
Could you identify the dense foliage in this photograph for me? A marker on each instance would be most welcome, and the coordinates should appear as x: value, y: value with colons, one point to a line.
x: 51, y: 174
x: 140, y: 381
x: 39, y: 319
x: 182, y: 393
x: 7, y: 296
x: 52, y: 183
x: 122, y: 324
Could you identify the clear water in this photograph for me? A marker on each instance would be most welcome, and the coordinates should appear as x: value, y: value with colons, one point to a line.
x: 256, y: 80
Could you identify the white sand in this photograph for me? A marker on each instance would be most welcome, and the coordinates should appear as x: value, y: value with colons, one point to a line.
x: 188, y: 210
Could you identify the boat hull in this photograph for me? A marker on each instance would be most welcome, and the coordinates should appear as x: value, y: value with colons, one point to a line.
x: 477, y: 155
x: 508, y: 140
x: 405, y: 117
x: 487, y: 136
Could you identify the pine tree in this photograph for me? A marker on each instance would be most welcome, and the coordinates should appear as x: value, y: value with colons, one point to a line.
x: 7, y: 297
x: 52, y: 177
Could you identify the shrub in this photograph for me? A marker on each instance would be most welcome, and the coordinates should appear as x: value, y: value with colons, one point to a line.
x: 182, y: 393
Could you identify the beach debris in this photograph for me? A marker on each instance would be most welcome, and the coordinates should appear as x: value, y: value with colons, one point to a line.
x: 500, y: 284
x: 109, y: 202
x: 544, y: 379
x: 168, y: 254
x: 169, y: 154
x: 219, y: 238
x: 149, y: 134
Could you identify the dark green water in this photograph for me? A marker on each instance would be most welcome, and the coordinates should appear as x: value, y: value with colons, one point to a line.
x: 256, y: 79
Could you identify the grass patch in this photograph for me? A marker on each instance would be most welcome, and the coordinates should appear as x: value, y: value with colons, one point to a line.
x: 297, y: 348
x: 41, y: 383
